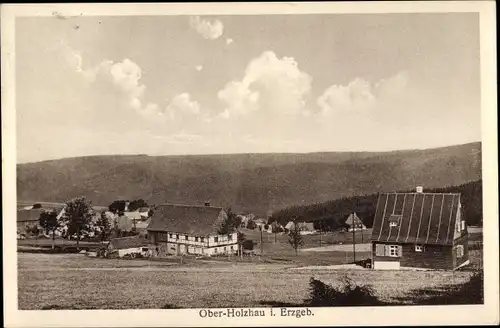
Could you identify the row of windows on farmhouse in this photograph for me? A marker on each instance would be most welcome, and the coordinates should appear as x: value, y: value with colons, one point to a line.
x: 397, y: 250
x: 196, y: 239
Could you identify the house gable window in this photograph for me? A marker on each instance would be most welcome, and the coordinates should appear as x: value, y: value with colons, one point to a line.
x: 394, y: 220
x: 419, y: 248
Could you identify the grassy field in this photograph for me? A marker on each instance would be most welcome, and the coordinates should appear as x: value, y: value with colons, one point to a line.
x: 73, y: 281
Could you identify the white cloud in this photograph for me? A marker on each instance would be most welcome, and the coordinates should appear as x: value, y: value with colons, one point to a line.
x: 270, y: 84
x: 208, y: 30
x: 199, y: 68
x: 360, y: 95
x: 229, y: 41
x: 182, y: 106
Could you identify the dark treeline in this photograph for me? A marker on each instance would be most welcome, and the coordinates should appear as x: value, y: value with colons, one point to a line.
x: 331, y: 215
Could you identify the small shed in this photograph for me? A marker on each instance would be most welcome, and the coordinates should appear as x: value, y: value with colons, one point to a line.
x: 128, y: 245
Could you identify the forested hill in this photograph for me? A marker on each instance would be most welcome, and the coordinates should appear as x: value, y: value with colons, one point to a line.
x: 333, y: 214
x: 258, y: 183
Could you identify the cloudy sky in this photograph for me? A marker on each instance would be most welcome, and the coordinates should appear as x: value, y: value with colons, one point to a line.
x: 164, y: 85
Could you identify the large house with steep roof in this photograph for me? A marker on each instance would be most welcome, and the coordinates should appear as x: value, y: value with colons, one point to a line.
x: 419, y: 230
x: 189, y: 229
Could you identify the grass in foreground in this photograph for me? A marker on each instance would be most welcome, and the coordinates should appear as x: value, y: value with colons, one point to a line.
x: 69, y: 281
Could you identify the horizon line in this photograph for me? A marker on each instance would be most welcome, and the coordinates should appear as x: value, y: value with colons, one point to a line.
x: 254, y: 153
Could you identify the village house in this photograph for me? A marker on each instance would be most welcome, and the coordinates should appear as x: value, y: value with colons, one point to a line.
x: 127, y: 246
x: 305, y: 228
x: 419, y: 230
x: 189, y: 229
x: 354, y: 223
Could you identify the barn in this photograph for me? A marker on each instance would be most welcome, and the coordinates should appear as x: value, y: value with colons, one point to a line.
x: 419, y: 230
x: 189, y: 229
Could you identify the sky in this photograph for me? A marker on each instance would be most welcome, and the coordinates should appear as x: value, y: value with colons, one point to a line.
x: 175, y: 85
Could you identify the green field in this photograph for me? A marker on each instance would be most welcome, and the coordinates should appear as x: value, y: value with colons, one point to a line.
x: 73, y: 281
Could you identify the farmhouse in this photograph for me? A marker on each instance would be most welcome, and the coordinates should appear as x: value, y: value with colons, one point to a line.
x: 127, y: 246
x: 354, y: 223
x: 305, y: 228
x: 419, y: 230
x: 189, y: 229
x: 27, y: 219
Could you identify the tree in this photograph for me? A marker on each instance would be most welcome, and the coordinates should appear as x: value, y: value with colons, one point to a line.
x: 137, y: 204
x: 295, y: 238
x: 230, y: 224
x: 104, y: 226
x: 78, y: 213
x: 117, y: 206
x: 48, y: 221
x: 251, y: 225
x: 241, y: 240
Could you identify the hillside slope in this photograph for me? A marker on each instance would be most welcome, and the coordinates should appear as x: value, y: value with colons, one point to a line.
x: 248, y: 182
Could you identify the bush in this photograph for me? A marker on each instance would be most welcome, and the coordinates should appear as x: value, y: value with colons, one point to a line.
x: 349, y: 294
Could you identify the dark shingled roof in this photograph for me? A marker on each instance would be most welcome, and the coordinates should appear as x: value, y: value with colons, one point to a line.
x: 29, y: 215
x: 194, y: 220
x: 424, y: 218
x: 127, y: 242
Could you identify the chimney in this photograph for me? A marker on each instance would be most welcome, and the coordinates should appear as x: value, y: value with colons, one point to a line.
x: 207, y: 203
x: 420, y: 189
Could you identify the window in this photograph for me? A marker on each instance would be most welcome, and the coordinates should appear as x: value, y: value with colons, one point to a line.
x: 195, y: 238
x: 460, y: 251
x: 177, y: 236
x: 230, y: 237
x: 202, y: 239
x: 394, y: 220
x: 388, y: 250
x: 463, y: 225
x: 224, y: 249
x: 216, y: 239
x: 171, y: 236
x: 144, y: 249
x: 232, y: 247
x: 186, y: 237
x: 393, y: 251
x: 419, y: 248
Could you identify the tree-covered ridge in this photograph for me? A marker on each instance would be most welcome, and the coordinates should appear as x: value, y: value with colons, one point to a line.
x: 331, y: 215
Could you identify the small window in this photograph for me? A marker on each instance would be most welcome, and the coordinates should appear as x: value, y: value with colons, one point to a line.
x: 230, y: 237
x: 195, y: 238
x: 224, y: 249
x: 460, y: 251
x: 393, y: 224
x: 216, y: 239
x: 393, y: 251
x: 232, y: 247
x: 177, y: 236
x: 171, y: 236
x: 186, y: 237
x: 144, y: 249
x: 202, y: 239
x: 419, y: 248
x: 463, y: 225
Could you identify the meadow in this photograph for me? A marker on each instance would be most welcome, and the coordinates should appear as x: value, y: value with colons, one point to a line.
x: 74, y: 281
